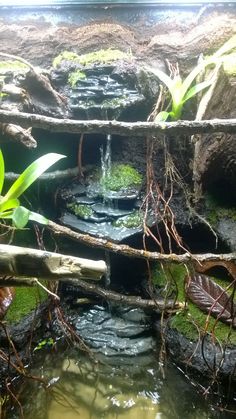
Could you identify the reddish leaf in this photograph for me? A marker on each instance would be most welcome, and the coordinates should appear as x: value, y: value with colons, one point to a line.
x: 211, y: 298
x: 6, y: 297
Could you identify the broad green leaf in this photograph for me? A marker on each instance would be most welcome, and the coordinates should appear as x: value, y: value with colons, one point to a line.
x: 196, y: 89
x: 20, y: 217
x: 161, y: 116
x: 33, y: 171
x: 9, y: 204
x: 34, y: 216
x: 162, y: 76
x: 2, y: 171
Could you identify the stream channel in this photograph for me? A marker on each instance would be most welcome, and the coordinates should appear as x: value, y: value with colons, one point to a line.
x: 125, y: 388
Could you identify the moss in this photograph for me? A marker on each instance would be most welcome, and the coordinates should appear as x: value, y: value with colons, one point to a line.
x: 75, y: 76
x: 103, y: 56
x: 26, y: 300
x: 216, y: 211
x: 82, y: 211
x: 65, y: 56
x: 122, y: 176
x: 129, y: 221
x: 190, y: 321
x: 12, y: 66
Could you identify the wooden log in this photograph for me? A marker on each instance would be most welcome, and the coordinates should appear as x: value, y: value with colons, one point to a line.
x: 17, y: 134
x: 197, y: 260
x: 21, y: 261
x: 133, y: 129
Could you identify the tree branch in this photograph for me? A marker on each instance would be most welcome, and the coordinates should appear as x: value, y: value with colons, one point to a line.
x: 159, y: 304
x: 122, y: 249
x: 120, y: 128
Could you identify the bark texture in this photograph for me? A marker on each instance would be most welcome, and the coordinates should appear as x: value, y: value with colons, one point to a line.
x: 26, y: 262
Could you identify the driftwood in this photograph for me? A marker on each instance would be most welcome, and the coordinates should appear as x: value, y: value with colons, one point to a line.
x: 120, y: 128
x: 35, y: 78
x: 56, y: 175
x: 197, y: 260
x: 17, y: 134
x: 20, y: 261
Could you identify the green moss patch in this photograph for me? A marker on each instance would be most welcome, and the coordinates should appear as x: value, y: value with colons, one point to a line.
x: 134, y: 220
x: 217, y: 210
x: 103, y: 56
x: 122, y: 176
x: 81, y: 210
x: 75, y: 76
x: 26, y: 300
x: 12, y: 65
x: 191, y: 322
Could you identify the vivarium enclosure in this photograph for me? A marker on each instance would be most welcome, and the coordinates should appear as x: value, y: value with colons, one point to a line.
x: 117, y: 209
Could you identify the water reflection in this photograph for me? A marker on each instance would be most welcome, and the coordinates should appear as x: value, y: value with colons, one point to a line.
x: 82, y: 388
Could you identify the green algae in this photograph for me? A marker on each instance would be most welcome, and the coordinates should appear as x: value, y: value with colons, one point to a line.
x: 26, y: 300
x: 191, y: 321
x: 103, y: 56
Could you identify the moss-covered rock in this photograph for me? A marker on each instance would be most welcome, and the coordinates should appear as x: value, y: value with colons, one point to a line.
x: 26, y: 300
x: 103, y: 56
x: 81, y: 210
x: 75, y: 76
x: 191, y: 321
x: 217, y: 210
x: 129, y: 221
x: 12, y: 65
x: 121, y: 176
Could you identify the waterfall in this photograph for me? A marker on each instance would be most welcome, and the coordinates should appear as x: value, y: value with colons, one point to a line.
x: 106, y: 158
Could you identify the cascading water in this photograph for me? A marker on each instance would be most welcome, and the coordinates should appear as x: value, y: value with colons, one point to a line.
x: 98, y: 206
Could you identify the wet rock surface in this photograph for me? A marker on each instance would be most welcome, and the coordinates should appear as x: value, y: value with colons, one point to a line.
x: 118, y: 332
x: 204, y: 356
x: 100, y: 91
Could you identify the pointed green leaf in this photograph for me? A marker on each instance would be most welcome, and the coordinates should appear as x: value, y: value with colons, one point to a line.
x: 228, y: 46
x: 20, y: 217
x: 2, y: 171
x: 9, y: 204
x: 33, y: 171
x: 162, y: 76
x: 196, y: 89
x: 196, y: 71
x: 34, y: 216
x: 161, y: 116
